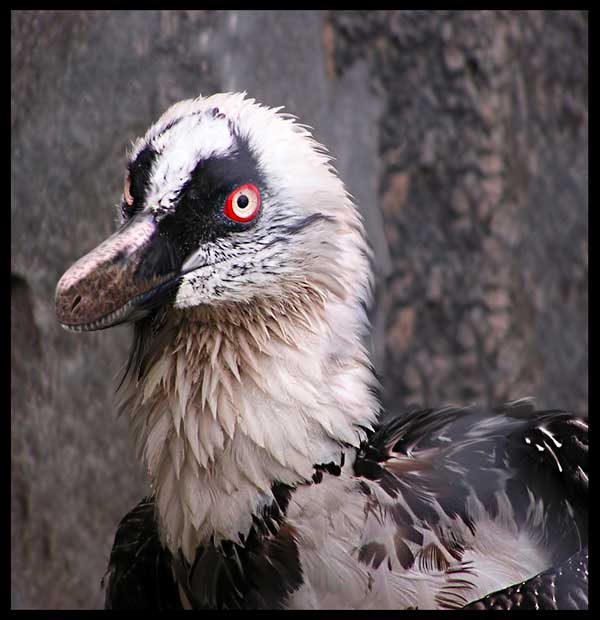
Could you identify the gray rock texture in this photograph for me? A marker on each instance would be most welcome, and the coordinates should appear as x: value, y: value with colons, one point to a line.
x: 483, y: 187
x: 463, y: 137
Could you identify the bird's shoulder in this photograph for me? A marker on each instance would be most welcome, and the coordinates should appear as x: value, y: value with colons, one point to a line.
x: 513, y: 457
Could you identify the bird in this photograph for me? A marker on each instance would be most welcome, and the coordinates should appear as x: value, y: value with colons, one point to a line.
x: 276, y: 479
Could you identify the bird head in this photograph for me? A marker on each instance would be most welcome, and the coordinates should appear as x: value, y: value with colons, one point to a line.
x: 225, y: 201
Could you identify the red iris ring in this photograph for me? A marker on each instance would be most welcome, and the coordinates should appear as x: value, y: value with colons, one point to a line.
x: 232, y: 210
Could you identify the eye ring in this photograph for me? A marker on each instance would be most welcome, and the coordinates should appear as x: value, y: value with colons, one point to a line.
x: 243, y: 203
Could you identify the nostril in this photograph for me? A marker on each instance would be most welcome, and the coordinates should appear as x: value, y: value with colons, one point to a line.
x: 76, y: 302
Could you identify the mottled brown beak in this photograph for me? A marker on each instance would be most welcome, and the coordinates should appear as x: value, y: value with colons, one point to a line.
x: 117, y: 281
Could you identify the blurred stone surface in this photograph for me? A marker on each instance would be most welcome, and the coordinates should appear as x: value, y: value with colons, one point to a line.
x: 463, y: 137
x: 483, y: 186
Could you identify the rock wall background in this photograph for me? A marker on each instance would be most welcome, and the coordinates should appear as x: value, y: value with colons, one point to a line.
x: 463, y: 137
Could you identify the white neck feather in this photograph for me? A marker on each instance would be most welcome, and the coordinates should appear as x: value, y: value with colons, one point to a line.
x: 243, y: 396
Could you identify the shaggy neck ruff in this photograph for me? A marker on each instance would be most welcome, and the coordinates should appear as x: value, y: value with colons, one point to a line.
x: 241, y: 396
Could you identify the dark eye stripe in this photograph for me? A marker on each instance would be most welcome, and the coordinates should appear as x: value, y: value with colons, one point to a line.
x: 139, y: 172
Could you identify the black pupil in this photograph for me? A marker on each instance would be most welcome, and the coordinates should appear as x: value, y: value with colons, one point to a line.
x: 242, y: 201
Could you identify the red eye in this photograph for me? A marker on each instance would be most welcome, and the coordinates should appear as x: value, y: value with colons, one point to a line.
x: 243, y: 203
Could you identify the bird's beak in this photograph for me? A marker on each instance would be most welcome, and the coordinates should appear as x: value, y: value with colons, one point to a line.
x: 134, y: 271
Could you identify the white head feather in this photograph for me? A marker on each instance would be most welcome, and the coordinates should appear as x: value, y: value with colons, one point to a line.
x: 265, y: 373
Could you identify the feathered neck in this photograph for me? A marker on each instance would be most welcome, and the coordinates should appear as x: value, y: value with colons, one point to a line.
x: 231, y: 399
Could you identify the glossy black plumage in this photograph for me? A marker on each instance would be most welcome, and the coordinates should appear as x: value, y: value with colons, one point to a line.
x: 451, y: 453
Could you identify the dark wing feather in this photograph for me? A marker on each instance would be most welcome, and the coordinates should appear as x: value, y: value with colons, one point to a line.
x: 448, y: 454
x: 139, y: 572
x: 258, y: 573
x: 562, y: 587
